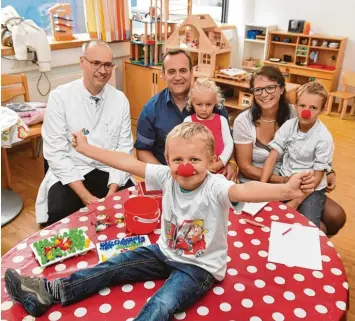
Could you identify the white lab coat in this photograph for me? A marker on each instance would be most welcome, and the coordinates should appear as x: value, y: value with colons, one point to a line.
x: 26, y: 34
x: 71, y: 109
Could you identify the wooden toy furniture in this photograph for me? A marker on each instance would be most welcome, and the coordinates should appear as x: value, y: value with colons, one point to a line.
x: 13, y: 86
x: 204, y: 40
x: 61, y: 22
x: 347, y: 80
x: 303, y: 58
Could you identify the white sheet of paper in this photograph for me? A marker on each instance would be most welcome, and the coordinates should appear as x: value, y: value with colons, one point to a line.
x: 299, y: 247
x: 250, y: 208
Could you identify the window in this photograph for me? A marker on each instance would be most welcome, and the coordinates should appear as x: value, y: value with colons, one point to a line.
x: 178, y: 8
x: 206, y: 59
x: 37, y: 10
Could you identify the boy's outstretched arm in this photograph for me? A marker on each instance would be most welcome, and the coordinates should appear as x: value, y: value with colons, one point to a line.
x: 264, y: 192
x: 119, y: 160
x: 269, y: 166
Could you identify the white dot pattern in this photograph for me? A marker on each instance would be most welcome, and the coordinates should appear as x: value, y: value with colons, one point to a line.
x: 290, y: 296
x: 268, y: 299
x: 300, y: 313
x: 105, y: 291
x: 80, y: 312
x: 239, y: 287
x: 259, y: 283
x: 279, y: 280
x: 202, y: 310
x: 218, y: 290
x: 247, y: 303
x: 321, y: 308
x: 105, y: 308
x: 298, y: 277
x: 225, y: 307
x: 54, y: 316
x: 129, y: 304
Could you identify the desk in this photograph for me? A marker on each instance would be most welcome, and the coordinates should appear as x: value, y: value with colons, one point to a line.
x: 13, y: 130
x: 252, y: 290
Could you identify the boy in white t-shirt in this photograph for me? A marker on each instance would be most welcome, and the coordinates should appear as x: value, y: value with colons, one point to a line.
x: 191, y: 252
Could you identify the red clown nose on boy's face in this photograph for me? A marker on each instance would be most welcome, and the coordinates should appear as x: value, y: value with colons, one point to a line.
x: 306, y: 114
x: 185, y: 170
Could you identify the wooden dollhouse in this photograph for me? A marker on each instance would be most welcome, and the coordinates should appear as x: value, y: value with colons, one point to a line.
x: 61, y: 22
x: 204, y: 40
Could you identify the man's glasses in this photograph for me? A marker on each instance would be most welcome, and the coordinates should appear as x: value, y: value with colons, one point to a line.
x: 269, y: 89
x: 96, y: 64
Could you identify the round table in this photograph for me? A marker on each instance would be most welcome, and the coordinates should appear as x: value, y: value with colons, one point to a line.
x: 253, y: 289
x: 13, y: 130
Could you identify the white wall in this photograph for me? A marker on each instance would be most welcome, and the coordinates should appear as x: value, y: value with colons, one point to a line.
x: 335, y: 18
x: 65, y: 68
x: 239, y: 13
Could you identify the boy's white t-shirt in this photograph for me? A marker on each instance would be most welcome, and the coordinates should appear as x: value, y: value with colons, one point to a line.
x: 194, y: 225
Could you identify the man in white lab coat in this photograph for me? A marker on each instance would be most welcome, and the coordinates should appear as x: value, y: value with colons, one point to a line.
x: 102, y: 113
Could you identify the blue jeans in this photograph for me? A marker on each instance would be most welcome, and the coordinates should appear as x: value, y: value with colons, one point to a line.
x: 185, y: 284
x: 312, y: 207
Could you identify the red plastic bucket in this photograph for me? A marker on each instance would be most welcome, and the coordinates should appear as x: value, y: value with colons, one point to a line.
x: 141, y: 214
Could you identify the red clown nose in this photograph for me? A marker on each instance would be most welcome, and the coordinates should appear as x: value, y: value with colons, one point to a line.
x: 306, y: 114
x: 185, y: 170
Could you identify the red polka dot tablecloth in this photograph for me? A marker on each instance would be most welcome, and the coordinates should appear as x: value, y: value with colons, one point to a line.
x: 253, y: 290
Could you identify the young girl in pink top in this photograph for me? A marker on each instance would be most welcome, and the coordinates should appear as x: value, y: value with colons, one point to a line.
x: 203, y: 97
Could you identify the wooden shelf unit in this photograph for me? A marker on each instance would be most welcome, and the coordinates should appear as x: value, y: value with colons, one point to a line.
x: 325, y: 70
x: 255, y: 48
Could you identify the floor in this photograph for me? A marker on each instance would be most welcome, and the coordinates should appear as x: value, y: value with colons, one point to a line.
x: 27, y: 174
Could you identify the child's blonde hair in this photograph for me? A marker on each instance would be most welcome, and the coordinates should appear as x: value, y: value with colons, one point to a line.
x: 314, y: 88
x: 207, y: 84
x: 190, y: 130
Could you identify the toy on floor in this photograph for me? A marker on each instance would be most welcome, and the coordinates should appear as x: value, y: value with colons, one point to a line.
x: 61, y: 246
x: 107, y: 249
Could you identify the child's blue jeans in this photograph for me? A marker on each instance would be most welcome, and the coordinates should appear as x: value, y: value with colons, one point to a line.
x: 312, y: 207
x: 185, y: 283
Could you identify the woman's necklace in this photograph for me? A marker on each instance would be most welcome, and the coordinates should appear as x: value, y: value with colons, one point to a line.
x: 267, y: 121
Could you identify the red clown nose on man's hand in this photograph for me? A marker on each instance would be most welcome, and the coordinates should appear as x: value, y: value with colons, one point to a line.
x: 185, y: 170
x: 306, y: 114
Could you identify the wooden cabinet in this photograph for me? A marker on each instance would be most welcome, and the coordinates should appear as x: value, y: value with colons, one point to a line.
x: 140, y: 83
x: 304, y: 58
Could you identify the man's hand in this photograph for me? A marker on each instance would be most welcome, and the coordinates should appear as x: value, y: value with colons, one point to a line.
x: 112, y: 189
x: 300, y: 185
x: 331, y: 181
x: 79, y: 141
x: 230, y: 172
x: 88, y: 199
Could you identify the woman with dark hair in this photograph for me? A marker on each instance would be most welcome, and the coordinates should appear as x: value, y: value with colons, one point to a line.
x: 255, y: 128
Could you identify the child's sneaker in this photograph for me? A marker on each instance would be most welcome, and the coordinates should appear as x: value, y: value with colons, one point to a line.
x: 29, y: 291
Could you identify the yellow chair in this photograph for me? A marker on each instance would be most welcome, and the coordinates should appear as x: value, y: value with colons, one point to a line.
x: 13, y: 86
x: 347, y: 80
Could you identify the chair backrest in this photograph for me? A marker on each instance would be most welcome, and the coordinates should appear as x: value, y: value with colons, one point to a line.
x: 13, y: 86
x: 348, y: 79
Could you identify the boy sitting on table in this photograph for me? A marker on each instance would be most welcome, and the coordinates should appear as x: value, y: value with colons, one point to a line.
x: 306, y: 144
x: 193, y: 200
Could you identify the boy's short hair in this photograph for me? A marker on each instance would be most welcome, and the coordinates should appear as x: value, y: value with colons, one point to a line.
x: 207, y: 84
x: 314, y: 88
x: 190, y: 130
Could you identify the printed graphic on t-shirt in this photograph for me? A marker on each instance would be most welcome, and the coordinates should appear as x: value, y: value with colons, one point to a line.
x: 186, y: 239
